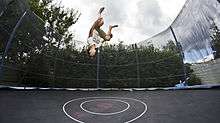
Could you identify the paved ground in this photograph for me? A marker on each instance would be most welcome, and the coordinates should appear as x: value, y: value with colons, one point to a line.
x: 185, y: 106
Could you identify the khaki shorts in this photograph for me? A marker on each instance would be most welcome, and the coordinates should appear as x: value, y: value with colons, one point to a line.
x: 94, y: 40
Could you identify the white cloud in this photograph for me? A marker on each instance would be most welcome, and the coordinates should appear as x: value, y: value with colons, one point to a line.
x: 137, y: 19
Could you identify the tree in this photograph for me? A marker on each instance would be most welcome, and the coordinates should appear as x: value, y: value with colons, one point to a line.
x: 56, y: 23
x: 171, y: 46
x: 35, y: 39
x: 58, y: 20
x: 216, y: 40
x: 43, y: 51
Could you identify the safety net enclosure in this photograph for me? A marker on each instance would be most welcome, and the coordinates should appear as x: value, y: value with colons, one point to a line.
x: 194, y: 29
x: 38, y: 50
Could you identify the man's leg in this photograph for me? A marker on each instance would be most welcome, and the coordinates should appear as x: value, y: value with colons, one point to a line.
x: 110, y: 29
x: 109, y: 33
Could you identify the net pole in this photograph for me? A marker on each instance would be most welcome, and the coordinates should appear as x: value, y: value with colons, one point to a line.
x: 181, y: 53
x: 9, y: 43
x: 97, y: 69
x: 3, y: 7
x: 138, y: 67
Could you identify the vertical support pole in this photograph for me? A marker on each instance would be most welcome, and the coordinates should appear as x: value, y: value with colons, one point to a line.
x: 2, y: 7
x: 138, y: 68
x: 9, y: 44
x: 181, y: 53
x: 54, y: 74
x: 98, y: 65
x: 1, y: 64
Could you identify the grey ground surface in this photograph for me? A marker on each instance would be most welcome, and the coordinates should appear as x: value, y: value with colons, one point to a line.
x: 183, y: 106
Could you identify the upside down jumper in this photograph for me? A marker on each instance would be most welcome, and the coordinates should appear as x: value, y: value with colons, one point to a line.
x: 97, y: 36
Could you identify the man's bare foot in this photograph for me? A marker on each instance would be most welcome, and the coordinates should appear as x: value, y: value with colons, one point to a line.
x: 101, y: 10
x: 114, y: 26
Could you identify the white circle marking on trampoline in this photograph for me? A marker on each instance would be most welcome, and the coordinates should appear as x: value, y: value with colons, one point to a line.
x: 145, y: 107
x: 96, y: 113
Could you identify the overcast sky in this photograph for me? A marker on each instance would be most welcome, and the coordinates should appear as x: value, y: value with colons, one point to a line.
x: 137, y: 19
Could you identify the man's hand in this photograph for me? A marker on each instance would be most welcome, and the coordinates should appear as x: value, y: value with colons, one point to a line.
x: 92, y: 52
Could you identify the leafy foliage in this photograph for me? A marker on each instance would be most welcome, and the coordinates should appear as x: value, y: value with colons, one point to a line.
x: 43, y: 54
x: 216, y: 40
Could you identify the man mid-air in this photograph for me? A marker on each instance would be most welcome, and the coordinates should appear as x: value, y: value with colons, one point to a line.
x: 97, y: 35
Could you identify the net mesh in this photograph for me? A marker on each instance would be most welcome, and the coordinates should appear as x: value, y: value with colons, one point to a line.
x: 34, y: 54
x: 193, y: 31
